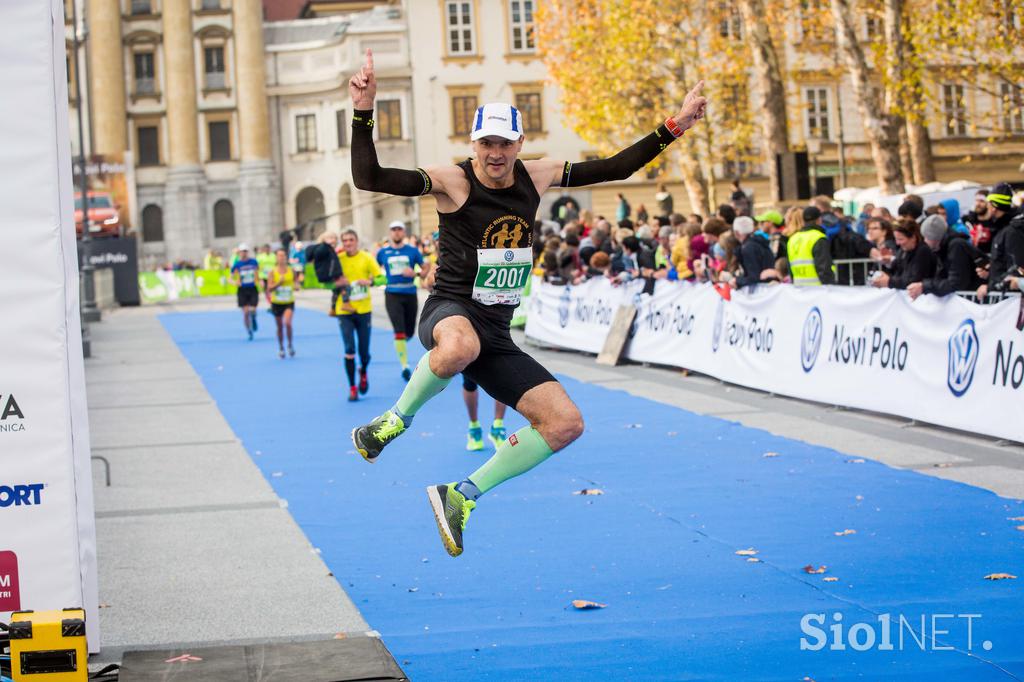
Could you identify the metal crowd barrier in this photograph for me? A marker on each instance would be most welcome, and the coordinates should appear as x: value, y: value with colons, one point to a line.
x: 989, y: 298
x: 854, y: 271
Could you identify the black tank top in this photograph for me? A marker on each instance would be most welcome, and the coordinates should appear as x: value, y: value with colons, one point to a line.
x: 499, y: 220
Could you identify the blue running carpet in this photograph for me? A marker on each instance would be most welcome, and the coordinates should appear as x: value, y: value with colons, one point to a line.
x: 682, y: 495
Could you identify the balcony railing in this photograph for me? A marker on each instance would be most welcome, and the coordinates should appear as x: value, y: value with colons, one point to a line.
x: 215, y: 80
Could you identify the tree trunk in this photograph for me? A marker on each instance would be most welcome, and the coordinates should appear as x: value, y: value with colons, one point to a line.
x: 774, y: 128
x: 880, y: 126
x: 906, y: 163
x: 693, y: 178
x: 903, y: 96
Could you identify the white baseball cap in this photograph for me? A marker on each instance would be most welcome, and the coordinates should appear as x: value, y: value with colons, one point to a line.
x: 243, y: 247
x: 396, y: 223
x: 497, y: 118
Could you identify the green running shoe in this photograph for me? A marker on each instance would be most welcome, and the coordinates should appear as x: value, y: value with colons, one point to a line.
x: 371, y: 439
x: 451, y: 511
x: 497, y: 434
x: 475, y: 438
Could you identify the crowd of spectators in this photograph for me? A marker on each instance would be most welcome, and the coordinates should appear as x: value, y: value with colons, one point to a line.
x: 922, y: 249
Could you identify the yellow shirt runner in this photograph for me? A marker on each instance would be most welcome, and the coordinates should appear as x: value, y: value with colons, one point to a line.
x: 361, y: 266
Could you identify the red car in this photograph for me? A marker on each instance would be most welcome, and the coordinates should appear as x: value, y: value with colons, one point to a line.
x: 104, y: 220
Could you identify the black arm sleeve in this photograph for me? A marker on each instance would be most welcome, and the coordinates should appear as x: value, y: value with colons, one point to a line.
x: 366, y: 171
x: 618, y: 167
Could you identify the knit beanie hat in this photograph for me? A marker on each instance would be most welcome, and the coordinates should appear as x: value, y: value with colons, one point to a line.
x: 934, y: 228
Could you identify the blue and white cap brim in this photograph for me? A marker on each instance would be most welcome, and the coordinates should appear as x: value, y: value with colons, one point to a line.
x: 502, y: 120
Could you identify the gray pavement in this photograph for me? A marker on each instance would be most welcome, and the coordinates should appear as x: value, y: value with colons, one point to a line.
x: 195, y: 548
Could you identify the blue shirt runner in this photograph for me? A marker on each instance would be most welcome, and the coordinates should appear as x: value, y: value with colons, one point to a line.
x: 394, y: 261
x: 247, y: 270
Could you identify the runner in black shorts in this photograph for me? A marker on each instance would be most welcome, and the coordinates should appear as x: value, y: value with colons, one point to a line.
x: 486, y: 208
x: 398, y: 261
x: 244, y: 273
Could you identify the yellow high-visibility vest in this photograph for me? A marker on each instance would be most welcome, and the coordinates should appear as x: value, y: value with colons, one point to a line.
x: 801, y: 257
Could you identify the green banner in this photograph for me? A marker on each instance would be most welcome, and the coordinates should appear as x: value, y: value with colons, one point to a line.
x: 214, y: 282
x: 151, y: 288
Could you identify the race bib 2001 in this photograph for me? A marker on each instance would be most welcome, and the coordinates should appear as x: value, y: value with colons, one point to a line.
x: 501, y: 275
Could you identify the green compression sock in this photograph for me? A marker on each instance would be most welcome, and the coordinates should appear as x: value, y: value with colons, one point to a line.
x: 523, y: 450
x: 403, y: 357
x: 423, y: 386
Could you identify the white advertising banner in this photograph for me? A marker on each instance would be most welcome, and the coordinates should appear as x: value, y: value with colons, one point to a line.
x: 47, y: 534
x: 945, y: 361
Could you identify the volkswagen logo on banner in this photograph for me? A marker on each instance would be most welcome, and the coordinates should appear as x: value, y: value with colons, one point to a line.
x: 564, y: 301
x: 510, y: 256
x: 963, y: 357
x: 716, y: 326
x: 810, y: 339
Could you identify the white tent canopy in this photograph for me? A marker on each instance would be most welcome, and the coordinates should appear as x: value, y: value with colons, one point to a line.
x: 962, y: 191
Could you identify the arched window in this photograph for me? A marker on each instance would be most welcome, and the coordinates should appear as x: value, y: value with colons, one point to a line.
x: 309, y: 212
x: 223, y: 219
x: 152, y: 224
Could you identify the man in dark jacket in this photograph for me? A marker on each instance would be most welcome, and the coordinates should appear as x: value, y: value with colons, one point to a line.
x: 755, y: 255
x: 1007, y: 256
x: 956, y: 258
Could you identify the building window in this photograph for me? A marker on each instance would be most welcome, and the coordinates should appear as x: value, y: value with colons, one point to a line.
x: 389, y: 119
x: 149, y: 146
x: 142, y: 7
x: 463, y: 111
x: 1011, y: 104
x: 223, y: 219
x: 528, y: 104
x: 953, y: 110
x: 872, y: 27
x: 220, y: 140
x: 521, y: 23
x: 342, y: 121
x: 729, y: 26
x: 211, y: 4
x: 213, y: 58
x: 145, y: 73
x: 817, y: 113
x: 152, y: 224
x: 458, y: 27
x: 305, y: 133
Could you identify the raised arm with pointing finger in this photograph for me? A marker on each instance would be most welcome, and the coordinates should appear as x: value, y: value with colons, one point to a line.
x: 448, y: 182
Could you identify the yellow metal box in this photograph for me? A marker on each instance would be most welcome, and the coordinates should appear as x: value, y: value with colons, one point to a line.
x: 49, y: 646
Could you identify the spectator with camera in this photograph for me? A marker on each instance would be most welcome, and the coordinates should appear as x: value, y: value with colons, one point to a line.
x: 757, y: 263
x: 914, y: 262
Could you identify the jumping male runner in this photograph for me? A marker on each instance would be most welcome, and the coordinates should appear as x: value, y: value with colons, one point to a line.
x: 486, y: 208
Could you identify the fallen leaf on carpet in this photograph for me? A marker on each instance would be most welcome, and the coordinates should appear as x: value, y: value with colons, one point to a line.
x: 770, y: 454
x: 858, y: 460
x: 809, y: 568
x: 277, y: 474
x: 746, y: 552
x: 1016, y: 518
x: 1000, y: 576
x: 665, y: 587
x: 673, y: 433
x: 754, y: 560
x: 830, y: 579
x: 583, y: 604
x: 589, y: 491
x: 340, y: 635
x: 848, y: 531
x: 859, y: 498
x: 943, y: 465
x: 1020, y: 527
x: 634, y: 426
x: 414, y: 589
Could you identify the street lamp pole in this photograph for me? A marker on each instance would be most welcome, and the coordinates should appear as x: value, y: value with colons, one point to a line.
x: 89, y: 311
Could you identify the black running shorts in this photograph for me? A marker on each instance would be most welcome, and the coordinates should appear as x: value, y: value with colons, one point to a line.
x: 502, y: 368
x: 248, y: 297
x: 279, y: 308
x: 402, y: 312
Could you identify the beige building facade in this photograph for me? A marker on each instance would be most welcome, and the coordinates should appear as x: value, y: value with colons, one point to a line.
x: 178, y: 86
x: 308, y: 64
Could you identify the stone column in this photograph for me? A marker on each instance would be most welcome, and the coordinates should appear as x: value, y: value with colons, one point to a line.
x: 184, y: 217
x: 259, y: 215
x: 106, y: 77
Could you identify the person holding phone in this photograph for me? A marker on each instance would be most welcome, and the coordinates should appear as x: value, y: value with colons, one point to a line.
x: 956, y: 259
